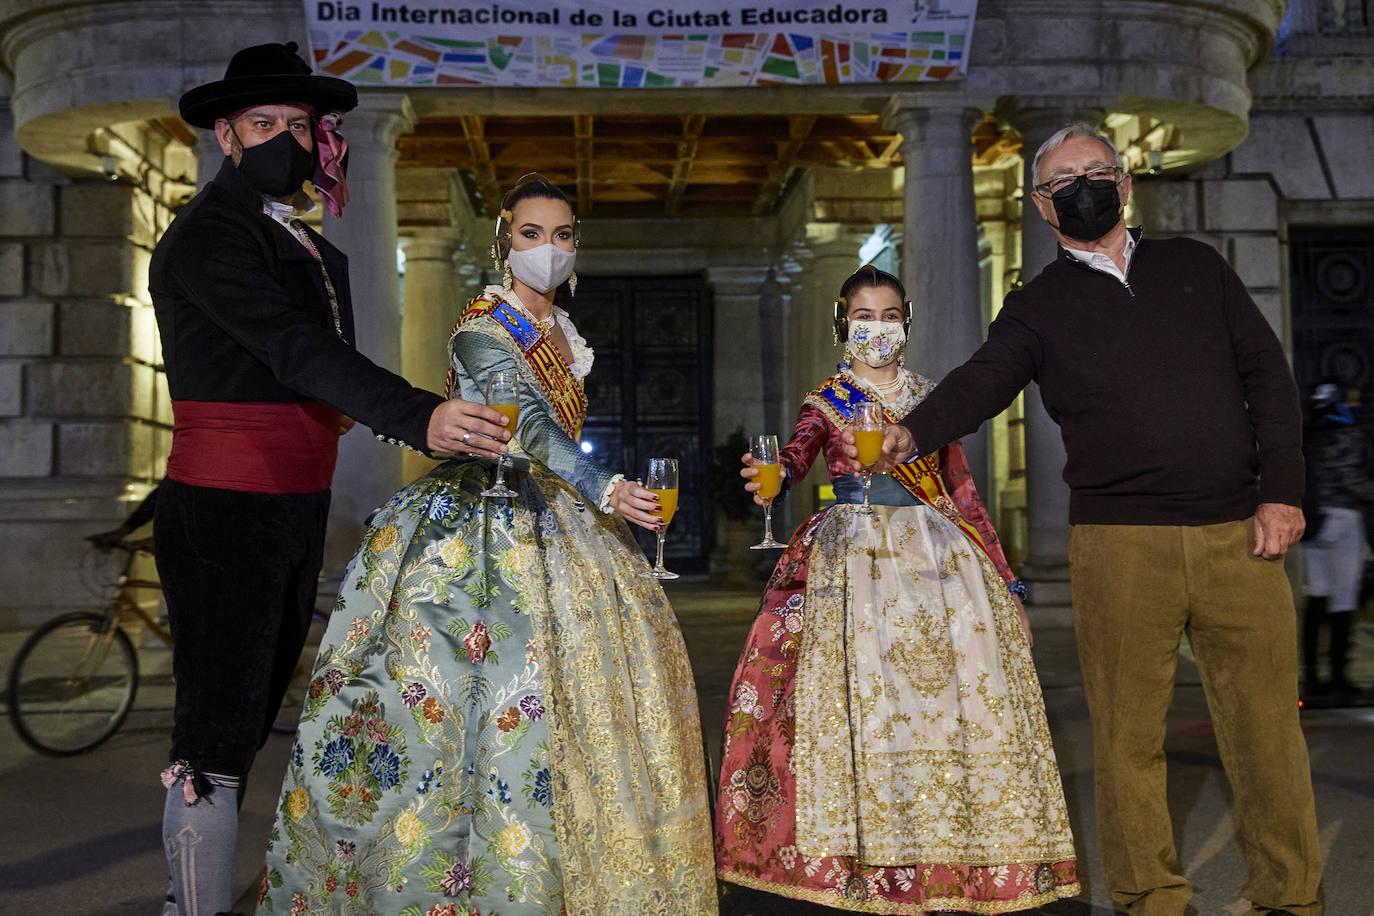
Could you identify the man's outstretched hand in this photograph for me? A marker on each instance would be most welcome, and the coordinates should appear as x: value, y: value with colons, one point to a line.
x: 898, y: 446
x: 463, y: 428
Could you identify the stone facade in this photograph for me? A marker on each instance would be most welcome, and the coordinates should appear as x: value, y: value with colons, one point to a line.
x: 1237, y: 122
x: 84, y: 416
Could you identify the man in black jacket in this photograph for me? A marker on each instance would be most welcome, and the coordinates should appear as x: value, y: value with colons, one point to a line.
x: 1182, y: 429
x: 257, y: 333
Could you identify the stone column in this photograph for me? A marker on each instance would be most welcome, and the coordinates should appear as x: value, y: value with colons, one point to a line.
x: 209, y: 157
x: 1047, y: 496
x: 940, y: 244
x: 738, y: 380
x: 368, y: 471
x: 772, y: 296
x: 428, y: 314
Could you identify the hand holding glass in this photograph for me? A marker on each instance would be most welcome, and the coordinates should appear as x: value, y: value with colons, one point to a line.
x: 662, y: 480
x: 868, y: 440
x: 503, y: 395
x: 765, y: 452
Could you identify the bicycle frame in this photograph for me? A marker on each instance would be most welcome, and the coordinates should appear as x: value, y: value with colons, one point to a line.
x: 124, y: 600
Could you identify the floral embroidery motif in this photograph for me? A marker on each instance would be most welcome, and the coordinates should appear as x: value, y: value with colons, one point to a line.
x: 755, y: 796
x: 424, y: 783
x: 477, y: 641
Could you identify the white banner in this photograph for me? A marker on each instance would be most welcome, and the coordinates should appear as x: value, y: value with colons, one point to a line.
x: 637, y: 44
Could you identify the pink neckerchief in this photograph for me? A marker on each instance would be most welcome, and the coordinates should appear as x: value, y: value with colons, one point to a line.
x: 331, y: 154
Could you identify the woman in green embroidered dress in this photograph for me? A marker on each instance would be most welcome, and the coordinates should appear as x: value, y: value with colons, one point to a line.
x: 502, y: 719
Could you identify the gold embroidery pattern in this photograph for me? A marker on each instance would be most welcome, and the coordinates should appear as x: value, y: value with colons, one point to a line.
x: 630, y: 815
x: 561, y: 389
x: 632, y: 821
x: 935, y: 639
x: 880, y: 905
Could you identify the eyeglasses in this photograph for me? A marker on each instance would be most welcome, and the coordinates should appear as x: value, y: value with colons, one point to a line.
x: 1052, y: 187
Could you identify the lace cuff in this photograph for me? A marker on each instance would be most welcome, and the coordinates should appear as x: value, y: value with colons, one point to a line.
x: 605, y: 504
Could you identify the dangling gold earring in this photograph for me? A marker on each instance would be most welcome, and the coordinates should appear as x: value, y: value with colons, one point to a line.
x: 572, y: 284
x: 507, y: 281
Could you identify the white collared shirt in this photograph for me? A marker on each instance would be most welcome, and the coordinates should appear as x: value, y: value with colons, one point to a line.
x: 1103, y: 262
x: 287, y: 214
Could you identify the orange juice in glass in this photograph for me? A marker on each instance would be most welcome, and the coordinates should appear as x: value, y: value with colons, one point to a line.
x: 503, y: 395
x: 511, y: 411
x: 667, y: 504
x: 662, y: 480
x: 764, y: 450
x: 867, y: 428
x: 869, y: 442
x: 770, y: 480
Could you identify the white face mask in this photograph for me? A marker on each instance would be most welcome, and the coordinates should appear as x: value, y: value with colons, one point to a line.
x: 876, y: 343
x: 542, y: 268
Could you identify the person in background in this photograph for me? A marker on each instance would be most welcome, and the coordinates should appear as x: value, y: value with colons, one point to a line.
x: 1341, y: 492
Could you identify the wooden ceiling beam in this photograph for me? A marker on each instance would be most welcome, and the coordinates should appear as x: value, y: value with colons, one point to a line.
x: 686, y: 163
x: 483, y: 169
x: 1007, y: 143
x: 890, y: 151
x: 798, y: 128
x: 692, y: 126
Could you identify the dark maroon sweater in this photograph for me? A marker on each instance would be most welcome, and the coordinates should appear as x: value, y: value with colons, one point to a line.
x: 1173, y: 396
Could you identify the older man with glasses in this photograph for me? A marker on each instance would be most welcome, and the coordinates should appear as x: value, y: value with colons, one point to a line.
x: 1181, y: 422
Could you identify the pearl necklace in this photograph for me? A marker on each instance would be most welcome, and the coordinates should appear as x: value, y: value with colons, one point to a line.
x: 893, y: 388
x: 893, y: 394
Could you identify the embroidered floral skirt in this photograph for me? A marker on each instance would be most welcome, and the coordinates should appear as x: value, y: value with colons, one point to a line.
x: 502, y: 721
x: 886, y: 749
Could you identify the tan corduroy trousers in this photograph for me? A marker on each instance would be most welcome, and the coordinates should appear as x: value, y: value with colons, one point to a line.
x: 1136, y: 589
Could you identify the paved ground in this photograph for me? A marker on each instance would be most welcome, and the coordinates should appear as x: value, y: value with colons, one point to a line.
x: 81, y: 835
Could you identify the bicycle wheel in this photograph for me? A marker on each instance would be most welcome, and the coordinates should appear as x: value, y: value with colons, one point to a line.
x: 72, y: 683
x: 289, y: 715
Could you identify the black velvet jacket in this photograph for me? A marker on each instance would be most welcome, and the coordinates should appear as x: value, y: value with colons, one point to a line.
x: 244, y: 316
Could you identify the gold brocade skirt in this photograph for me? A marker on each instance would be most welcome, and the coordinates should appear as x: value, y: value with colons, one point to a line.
x: 921, y: 732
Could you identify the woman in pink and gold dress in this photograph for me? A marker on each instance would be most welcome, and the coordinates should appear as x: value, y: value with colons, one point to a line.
x: 886, y: 749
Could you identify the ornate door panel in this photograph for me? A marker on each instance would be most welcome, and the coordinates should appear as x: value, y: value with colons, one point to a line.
x: 1332, y: 294
x: 649, y: 391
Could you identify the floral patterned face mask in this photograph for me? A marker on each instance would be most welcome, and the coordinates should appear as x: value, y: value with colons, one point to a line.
x: 875, y: 342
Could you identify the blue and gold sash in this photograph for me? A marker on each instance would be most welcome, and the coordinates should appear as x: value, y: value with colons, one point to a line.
x: 837, y: 397
x: 563, y: 391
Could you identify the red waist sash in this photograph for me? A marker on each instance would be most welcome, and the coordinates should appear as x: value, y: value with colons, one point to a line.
x: 255, y: 447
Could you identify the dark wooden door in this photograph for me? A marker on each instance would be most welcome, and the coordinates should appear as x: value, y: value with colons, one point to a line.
x: 1332, y: 293
x: 649, y: 391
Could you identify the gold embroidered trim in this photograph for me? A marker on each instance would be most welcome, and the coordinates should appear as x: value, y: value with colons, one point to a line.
x: 933, y: 905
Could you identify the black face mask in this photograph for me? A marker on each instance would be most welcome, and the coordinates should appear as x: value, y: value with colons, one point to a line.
x: 1087, y: 210
x: 278, y: 167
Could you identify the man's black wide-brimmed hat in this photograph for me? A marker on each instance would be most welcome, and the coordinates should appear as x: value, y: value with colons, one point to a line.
x: 265, y: 75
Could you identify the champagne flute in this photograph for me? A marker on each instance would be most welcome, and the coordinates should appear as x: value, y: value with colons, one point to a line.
x: 662, y: 480
x: 503, y: 395
x: 765, y: 452
x: 868, y: 439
